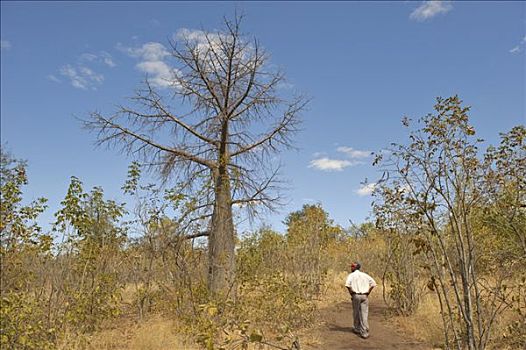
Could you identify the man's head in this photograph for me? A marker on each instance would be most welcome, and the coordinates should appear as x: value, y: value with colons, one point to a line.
x: 355, y: 266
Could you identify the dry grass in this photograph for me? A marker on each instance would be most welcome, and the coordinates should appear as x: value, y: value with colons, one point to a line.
x: 425, y: 324
x: 157, y: 333
x: 128, y: 294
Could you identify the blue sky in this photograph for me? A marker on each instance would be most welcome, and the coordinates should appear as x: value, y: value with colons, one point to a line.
x: 365, y: 65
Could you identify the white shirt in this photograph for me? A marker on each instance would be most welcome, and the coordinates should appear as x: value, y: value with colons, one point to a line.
x: 360, y: 282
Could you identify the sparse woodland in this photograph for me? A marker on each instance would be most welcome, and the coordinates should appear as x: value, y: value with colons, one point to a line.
x: 447, y: 242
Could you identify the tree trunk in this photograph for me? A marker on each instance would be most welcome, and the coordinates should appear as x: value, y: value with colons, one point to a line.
x: 221, y: 243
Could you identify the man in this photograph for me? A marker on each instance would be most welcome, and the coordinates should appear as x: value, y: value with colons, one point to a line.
x: 360, y: 285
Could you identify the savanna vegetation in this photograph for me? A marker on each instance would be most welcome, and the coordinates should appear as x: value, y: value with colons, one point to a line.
x: 169, y: 270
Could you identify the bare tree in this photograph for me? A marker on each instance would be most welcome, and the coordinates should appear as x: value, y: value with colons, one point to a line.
x: 219, y: 142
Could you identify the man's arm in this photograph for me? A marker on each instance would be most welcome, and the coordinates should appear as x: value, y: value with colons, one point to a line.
x: 372, y: 284
x: 348, y: 285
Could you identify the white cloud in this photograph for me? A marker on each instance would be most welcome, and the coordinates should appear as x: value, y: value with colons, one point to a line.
x: 107, y: 59
x: 151, y: 51
x: 323, y: 162
x: 54, y: 78
x: 354, y: 153
x: 152, y: 56
x: 102, y: 57
x: 192, y: 35
x: 518, y: 48
x: 82, y: 77
x: 161, y: 74
x: 366, y: 189
x: 5, y: 44
x: 109, y: 62
x: 327, y: 164
x: 430, y: 9
x: 205, y: 42
x: 91, y: 75
x: 88, y: 57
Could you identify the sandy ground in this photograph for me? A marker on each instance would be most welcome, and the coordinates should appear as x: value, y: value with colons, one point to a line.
x: 335, y: 331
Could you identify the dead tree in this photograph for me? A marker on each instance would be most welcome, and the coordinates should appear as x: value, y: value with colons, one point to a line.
x: 215, y: 130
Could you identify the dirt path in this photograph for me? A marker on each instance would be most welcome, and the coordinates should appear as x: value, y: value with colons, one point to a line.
x: 335, y: 331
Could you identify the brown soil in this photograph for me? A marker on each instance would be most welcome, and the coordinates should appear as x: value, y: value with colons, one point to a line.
x: 335, y: 331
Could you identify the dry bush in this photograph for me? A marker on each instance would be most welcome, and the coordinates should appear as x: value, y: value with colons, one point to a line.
x: 270, y: 303
x: 466, y: 214
x: 425, y: 324
x: 510, y: 326
x: 334, y: 290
